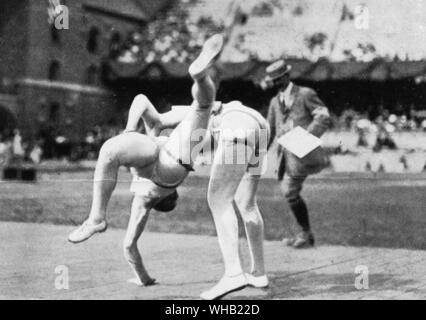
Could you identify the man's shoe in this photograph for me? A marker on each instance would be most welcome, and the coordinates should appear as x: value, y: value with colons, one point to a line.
x: 288, y: 241
x: 225, y: 285
x: 304, y: 240
x: 86, y: 230
x: 210, y: 51
x: 139, y: 283
x: 257, y: 282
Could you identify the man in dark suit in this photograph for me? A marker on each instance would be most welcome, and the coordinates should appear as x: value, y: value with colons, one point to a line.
x: 295, y: 106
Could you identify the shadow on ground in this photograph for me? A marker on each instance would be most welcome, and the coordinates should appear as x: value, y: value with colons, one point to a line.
x: 320, y: 286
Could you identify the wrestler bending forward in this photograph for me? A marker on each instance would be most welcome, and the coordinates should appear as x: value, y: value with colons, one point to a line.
x: 241, y: 135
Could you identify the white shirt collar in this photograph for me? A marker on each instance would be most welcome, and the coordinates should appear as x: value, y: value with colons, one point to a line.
x: 285, y: 95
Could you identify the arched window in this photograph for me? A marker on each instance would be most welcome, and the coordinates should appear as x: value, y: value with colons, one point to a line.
x: 93, y: 40
x: 7, y: 122
x: 54, y: 70
x: 92, y: 74
x: 54, y: 112
x: 115, y: 44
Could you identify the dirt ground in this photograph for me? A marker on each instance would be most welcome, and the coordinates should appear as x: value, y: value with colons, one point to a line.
x: 35, y: 258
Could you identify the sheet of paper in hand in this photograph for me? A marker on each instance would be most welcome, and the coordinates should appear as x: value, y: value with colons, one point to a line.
x: 299, y: 142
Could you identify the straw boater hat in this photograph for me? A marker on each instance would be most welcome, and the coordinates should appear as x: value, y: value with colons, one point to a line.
x: 277, y: 70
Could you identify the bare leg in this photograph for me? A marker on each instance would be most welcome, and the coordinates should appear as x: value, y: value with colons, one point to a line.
x: 104, y: 181
x: 246, y: 202
x: 130, y: 149
x: 186, y: 140
x: 138, y: 218
x: 223, y: 185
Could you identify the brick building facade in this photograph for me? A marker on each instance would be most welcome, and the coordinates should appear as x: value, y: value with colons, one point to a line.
x: 53, y: 77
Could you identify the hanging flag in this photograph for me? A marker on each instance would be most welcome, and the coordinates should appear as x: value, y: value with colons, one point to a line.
x: 236, y: 15
x: 347, y: 15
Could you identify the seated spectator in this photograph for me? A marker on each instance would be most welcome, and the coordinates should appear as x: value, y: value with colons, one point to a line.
x: 423, y: 125
x: 36, y: 153
x: 384, y: 138
x: 362, y: 127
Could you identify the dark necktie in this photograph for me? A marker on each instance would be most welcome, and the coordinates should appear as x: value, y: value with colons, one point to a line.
x: 284, y: 108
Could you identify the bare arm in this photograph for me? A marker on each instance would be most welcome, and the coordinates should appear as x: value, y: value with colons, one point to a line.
x: 142, y: 108
x: 141, y: 207
x: 271, y: 120
x: 175, y: 116
x: 154, y: 121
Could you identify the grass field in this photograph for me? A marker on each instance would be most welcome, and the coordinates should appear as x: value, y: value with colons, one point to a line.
x: 386, y: 210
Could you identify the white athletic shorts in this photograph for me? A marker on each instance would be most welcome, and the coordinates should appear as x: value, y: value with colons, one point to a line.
x: 144, y: 187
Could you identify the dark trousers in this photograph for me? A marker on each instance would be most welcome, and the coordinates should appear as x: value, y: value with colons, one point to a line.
x: 291, y: 186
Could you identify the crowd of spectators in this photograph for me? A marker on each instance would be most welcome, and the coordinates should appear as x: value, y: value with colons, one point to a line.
x: 94, y: 139
x: 412, y: 121
x: 384, y: 126
x: 47, y: 145
x: 172, y: 37
x: 14, y: 150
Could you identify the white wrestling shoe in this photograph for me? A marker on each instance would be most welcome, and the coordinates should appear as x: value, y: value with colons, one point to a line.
x: 86, y: 230
x: 257, y: 282
x: 225, y: 285
x: 211, y: 50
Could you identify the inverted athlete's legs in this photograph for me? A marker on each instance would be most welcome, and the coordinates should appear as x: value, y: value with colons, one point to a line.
x: 104, y: 182
x: 130, y: 149
x: 190, y: 132
x: 186, y: 140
